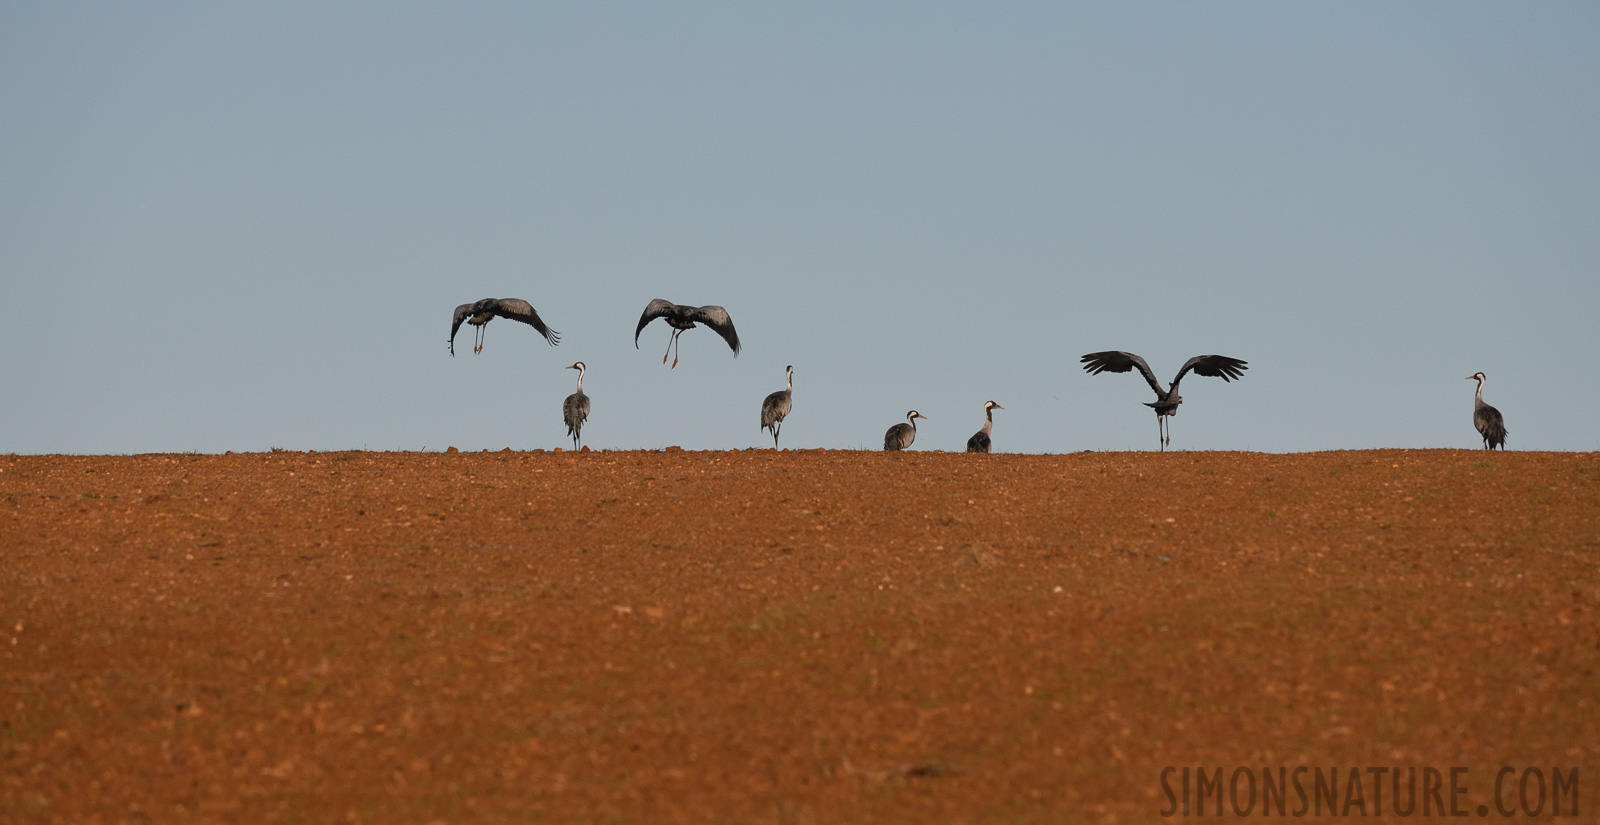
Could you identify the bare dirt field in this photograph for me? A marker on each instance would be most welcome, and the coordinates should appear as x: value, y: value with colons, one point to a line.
x: 794, y: 637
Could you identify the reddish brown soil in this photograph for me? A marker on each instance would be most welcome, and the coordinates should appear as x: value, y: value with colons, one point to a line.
x: 797, y: 637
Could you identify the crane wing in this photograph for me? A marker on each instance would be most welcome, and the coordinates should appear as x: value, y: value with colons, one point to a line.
x: 653, y: 310
x: 717, y: 318
x: 462, y: 313
x: 1117, y: 361
x: 1212, y: 366
x: 519, y: 310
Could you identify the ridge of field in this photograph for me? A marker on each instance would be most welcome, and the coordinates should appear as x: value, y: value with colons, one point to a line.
x: 762, y: 636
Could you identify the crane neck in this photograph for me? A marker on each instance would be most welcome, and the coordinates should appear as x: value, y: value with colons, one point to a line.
x: 580, y: 379
x: 789, y: 380
x: 1479, y: 396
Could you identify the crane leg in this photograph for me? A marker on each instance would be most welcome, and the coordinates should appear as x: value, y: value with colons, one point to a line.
x: 477, y: 340
x: 677, y: 346
x: 1161, y: 432
x: 670, y: 339
x: 775, y: 431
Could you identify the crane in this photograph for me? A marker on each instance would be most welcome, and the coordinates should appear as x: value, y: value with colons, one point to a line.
x: 482, y: 312
x: 1491, y: 425
x: 1167, y: 400
x: 979, y: 442
x: 901, y: 435
x: 776, y: 407
x: 682, y: 318
x: 575, y: 410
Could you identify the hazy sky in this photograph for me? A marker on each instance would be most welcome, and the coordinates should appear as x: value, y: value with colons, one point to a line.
x: 243, y: 226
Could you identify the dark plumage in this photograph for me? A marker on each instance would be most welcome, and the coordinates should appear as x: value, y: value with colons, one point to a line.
x: 901, y: 435
x: 681, y: 318
x: 979, y: 442
x: 776, y: 407
x: 1491, y: 425
x: 1167, y: 400
x: 482, y: 312
x: 575, y: 410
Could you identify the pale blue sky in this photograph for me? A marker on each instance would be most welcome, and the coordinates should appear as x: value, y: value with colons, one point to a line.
x: 234, y: 227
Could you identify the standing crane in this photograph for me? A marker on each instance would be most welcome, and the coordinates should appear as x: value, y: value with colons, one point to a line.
x: 776, y: 407
x: 901, y: 435
x: 482, y: 312
x: 1167, y: 400
x: 575, y: 410
x: 1487, y: 419
x: 682, y: 318
x: 979, y: 442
